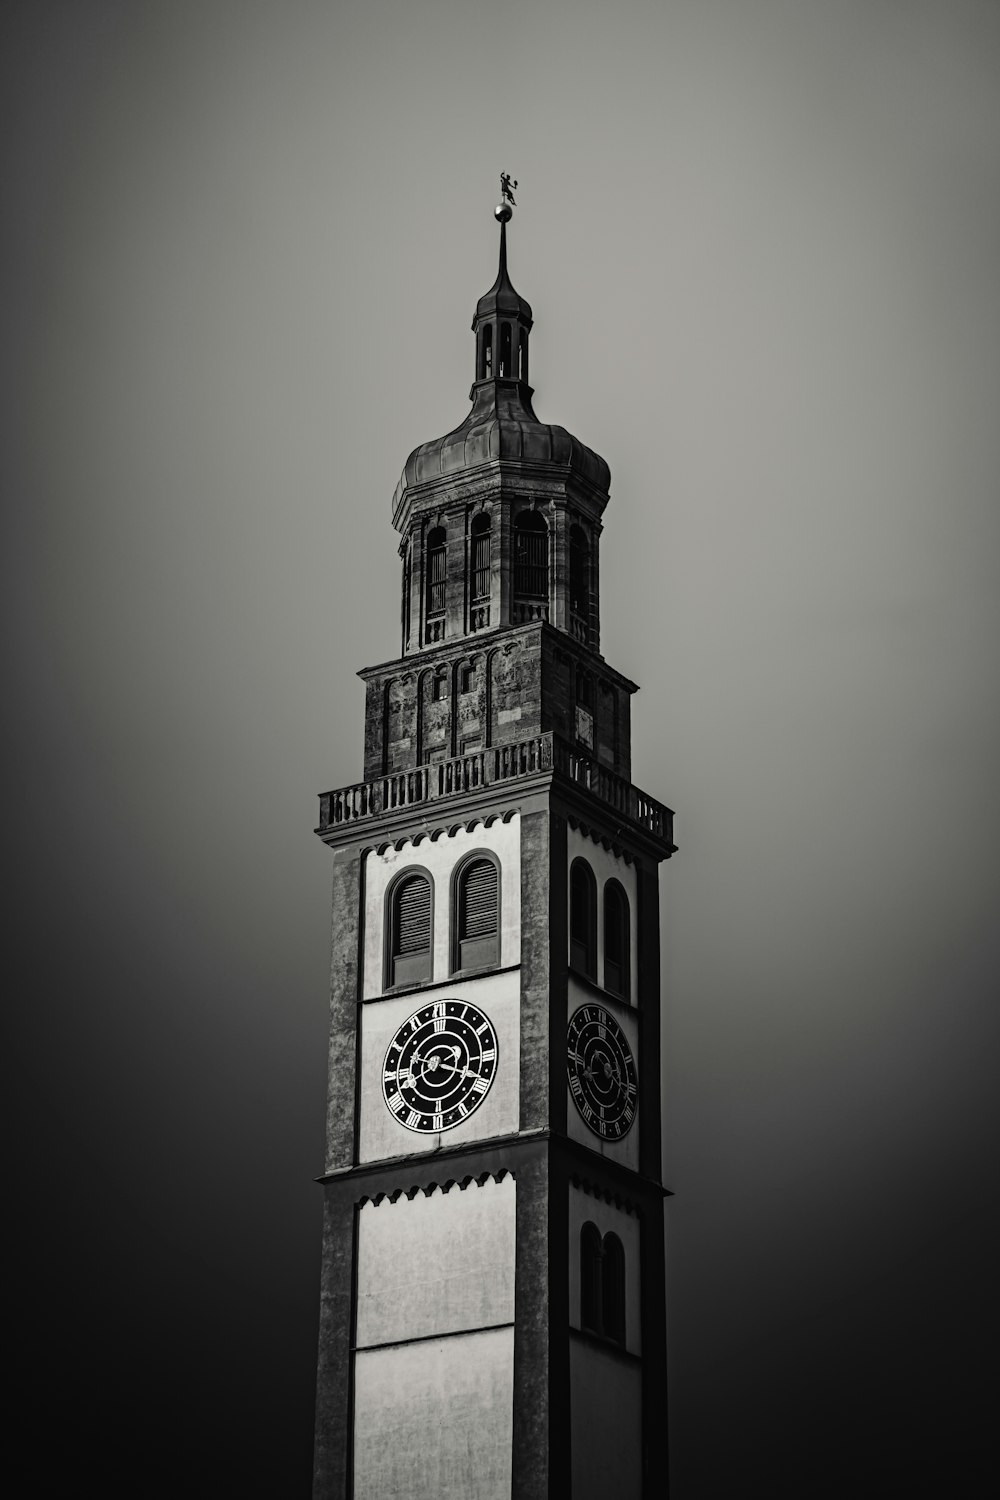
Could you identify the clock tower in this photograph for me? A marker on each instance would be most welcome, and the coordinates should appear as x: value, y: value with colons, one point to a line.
x: 492, y: 1312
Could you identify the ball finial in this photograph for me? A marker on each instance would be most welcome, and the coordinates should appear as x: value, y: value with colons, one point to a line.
x: 503, y: 213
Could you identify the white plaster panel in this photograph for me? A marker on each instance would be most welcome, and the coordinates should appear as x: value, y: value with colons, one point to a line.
x: 626, y: 1150
x: 606, y: 866
x: 436, y: 1263
x: 439, y: 856
x: 434, y: 1420
x: 609, y: 1220
x: 498, y: 997
x: 605, y: 1423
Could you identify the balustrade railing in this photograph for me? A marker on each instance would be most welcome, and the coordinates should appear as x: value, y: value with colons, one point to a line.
x: 523, y: 611
x: 482, y: 768
x: 579, y: 629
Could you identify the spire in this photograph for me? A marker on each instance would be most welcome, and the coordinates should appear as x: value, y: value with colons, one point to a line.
x: 503, y: 318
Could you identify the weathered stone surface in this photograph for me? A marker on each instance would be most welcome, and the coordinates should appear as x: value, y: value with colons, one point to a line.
x: 493, y: 690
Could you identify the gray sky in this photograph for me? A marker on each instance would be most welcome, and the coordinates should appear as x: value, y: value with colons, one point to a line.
x: 243, y: 246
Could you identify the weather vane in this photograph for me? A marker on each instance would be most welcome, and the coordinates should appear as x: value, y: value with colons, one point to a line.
x: 505, y: 208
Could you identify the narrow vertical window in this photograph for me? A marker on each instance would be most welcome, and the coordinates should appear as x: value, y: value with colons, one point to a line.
x: 406, y: 594
x: 613, y: 1289
x: 522, y: 354
x: 590, y: 1278
x: 437, y: 555
x: 505, y: 351
x: 478, y: 915
x: 617, y: 943
x: 486, y: 358
x: 583, y: 919
x: 531, y: 555
x: 480, y: 559
x: 410, y: 930
x: 579, y: 573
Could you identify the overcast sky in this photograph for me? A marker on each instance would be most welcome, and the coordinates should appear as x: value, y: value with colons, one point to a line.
x: 243, y: 243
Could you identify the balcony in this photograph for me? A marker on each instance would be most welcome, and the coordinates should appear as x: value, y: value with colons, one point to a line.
x: 544, y: 753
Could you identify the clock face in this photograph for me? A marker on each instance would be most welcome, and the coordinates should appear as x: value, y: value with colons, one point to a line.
x: 601, y: 1072
x: 439, y: 1066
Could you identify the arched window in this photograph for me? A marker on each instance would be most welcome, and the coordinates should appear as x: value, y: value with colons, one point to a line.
x: 477, y: 914
x: 409, y: 945
x: 590, y: 1278
x: 579, y: 573
x: 480, y: 559
x: 531, y: 555
x: 602, y: 1284
x: 436, y: 571
x: 522, y: 354
x: 613, y: 1289
x: 583, y: 919
x: 486, y: 356
x: 617, y: 943
x: 505, y: 350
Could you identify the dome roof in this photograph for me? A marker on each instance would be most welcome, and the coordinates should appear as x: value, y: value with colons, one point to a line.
x: 502, y: 424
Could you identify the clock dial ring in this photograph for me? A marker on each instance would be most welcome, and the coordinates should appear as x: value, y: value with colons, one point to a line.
x: 601, y: 1072
x: 439, y: 1066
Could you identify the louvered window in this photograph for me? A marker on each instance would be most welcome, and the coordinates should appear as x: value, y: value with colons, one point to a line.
x: 410, y: 931
x: 531, y: 556
x: 583, y: 919
x: 481, y: 561
x: 616, y: 940
x: 478, y: 915
x: 436, y: 572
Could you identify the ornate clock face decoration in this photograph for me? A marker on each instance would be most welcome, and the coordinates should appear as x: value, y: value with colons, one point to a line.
x: 439, y: 1066
x: 601, y: 1072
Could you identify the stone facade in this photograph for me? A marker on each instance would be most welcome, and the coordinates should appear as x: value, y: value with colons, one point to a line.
x: 459, y: 1355
x: 495, y: 689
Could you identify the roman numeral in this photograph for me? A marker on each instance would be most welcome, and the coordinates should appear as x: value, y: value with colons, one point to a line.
x: 439, y: 1024
x: 439, y: 1122
x: 413, y: 1118
x: 576, y: 1086
x: 489, y: 1054
x: 480, y: 1086
x: 439, y: 1009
